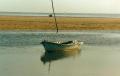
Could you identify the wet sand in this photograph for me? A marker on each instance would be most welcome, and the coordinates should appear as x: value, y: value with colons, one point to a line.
x: 64, y: 23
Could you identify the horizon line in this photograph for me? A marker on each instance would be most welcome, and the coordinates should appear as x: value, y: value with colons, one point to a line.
x: 56, y: 12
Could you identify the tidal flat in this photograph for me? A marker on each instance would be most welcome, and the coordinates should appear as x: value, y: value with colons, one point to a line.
x: 64, y: 23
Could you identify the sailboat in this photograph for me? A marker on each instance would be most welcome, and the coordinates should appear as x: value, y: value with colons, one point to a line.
x: 59, y: 45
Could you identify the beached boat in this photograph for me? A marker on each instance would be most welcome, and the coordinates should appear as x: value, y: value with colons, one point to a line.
x: 62, y: 46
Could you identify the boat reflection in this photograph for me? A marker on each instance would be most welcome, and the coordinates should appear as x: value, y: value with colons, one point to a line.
x: 53, y: 56
x: 49, y: 57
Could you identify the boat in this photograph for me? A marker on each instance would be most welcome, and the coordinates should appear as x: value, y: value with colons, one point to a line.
x: 60, y: 46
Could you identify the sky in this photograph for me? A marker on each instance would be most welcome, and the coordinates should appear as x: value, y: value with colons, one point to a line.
x: 61, y: 6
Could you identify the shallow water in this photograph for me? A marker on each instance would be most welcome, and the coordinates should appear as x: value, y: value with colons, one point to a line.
x: 21, y: 53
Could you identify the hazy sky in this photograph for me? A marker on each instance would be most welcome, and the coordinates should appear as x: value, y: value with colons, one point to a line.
x: 65, y: 6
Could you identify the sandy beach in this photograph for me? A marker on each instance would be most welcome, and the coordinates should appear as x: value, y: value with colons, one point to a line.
x: 64, y: 23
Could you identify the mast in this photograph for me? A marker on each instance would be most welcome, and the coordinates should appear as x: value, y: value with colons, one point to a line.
x: 54, y: 16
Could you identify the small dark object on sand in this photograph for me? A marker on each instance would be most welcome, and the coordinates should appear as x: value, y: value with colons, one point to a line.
x: 50, y: 15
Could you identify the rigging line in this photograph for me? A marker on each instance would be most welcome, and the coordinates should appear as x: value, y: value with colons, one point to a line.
x: 54, y: 16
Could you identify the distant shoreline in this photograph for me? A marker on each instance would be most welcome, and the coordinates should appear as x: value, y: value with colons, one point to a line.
x: 37, y: 23
x: 61, y: 31
x: 87, y: 15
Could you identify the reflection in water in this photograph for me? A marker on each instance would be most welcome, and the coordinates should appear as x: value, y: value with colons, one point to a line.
x: 53, y: 56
